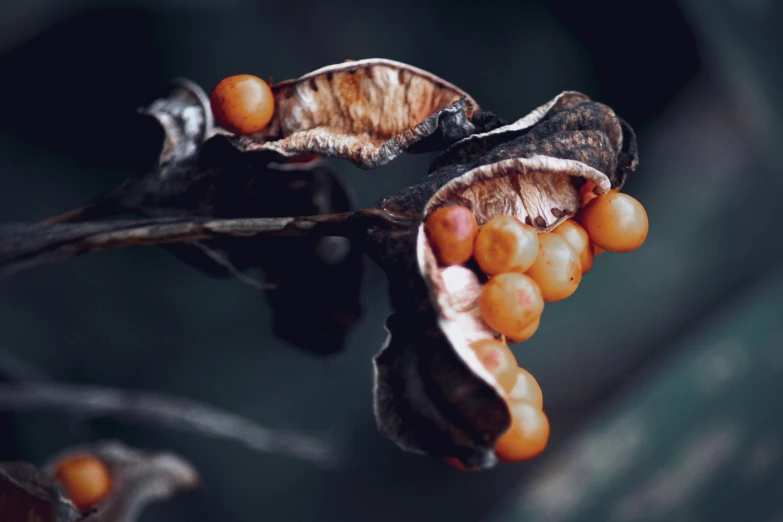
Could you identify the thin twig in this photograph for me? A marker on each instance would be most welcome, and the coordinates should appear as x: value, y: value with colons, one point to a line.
x: 223, y: 261
x: 24, y: 246
x: 18, y: 371
x: 166, y: 411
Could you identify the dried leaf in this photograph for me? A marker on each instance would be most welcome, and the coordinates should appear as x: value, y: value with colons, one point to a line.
x: 28, y: 495
x: 431, y: 390
x: 366, y: 111
x: 138, y: 478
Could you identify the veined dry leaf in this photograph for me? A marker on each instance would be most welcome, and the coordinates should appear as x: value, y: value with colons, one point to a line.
x: 29, y: 495
x: 138, y: 478
x: 367, y: 111
x: 432, y: 395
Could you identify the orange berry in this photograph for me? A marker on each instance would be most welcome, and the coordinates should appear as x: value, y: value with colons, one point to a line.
x: 510, y: 302
x: 579, y: 240
x: 505, y: 244
x: 557, y: 269
x: 497, y: 358
x: 525, y: 333
x: 526, y: 389
x: 527, y: 436
x: 616, y: 222
x: 86, y: 479
x: 242, y: 104
x: 451, y: 231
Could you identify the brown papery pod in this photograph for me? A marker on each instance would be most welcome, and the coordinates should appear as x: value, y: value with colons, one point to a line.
x: 368, y: 112
x: 432, y: 395
x: 29, y: 495
x: 138, y: 478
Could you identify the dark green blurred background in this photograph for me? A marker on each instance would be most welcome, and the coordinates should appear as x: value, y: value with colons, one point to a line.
x: 662, y: 375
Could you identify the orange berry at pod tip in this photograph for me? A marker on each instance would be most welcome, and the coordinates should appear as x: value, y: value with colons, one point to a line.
x: 451, y: 231
x: 505, y: 244
x: 497, y: 358
x: 577, y: 237
x: 242, y: 104
x: 557, y: 269
x: 86, y: 479
x: 615, y: 222
x: 510, y: 302
x: 527, y: 436
x: 526, y: 388
x: 525, y: 333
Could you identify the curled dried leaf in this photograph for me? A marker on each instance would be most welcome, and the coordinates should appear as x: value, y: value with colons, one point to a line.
x: 138, y: 478
x: 27, y: 494
x: 366, y: 111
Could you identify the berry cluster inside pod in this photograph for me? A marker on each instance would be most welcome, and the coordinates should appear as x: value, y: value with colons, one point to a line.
x: 541, y: 191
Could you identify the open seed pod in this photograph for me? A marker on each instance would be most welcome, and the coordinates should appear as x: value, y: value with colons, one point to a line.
x: 138, y: 478
x: 368, y: 112
x: 432, y: 394
x: 29, y: 495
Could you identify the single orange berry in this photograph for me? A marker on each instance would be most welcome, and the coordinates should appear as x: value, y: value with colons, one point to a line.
x: 242, y: 104
x: 527, y: 436
x: 505, y: 244
x: 616, y: 222
x: 525, y: 333
x: 497, y: 358
x: 557, y: 269
x: 451, y: 231
x: 510, y: 302
x: 86, y: 479
x: 579, y: 240
x: 526, y: 389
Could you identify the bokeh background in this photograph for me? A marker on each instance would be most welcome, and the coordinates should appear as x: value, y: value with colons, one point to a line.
x: 662, y: 375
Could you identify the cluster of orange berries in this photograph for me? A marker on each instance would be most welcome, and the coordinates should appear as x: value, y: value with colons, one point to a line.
x: 86, y: 479
x: 526, y: 269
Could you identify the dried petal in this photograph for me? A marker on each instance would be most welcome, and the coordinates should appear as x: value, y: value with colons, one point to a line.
x: 186, y: 119
x: 27, y: 494
x: 138, y: 478
x: 366, y: 111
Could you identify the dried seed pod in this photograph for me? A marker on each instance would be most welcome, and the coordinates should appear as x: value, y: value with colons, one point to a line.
x: 455, y: 408
x: 138, y: 478
x: 368, y: 112
x: 314, y: 281
x: 29, y: 494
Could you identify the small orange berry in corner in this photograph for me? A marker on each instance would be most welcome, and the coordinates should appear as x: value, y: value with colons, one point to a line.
x: 451, y: 231
x: 510, y: 302
x: 616, y: 222
x: 242, y: 104
x: 526, y: 388
x: 497, y: 358
x: 86, y: 479
x: 557, y: 269
x: 526, y: 437
x: 505, y: 244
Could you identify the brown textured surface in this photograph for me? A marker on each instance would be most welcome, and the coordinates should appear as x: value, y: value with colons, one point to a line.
x: 367, y: 111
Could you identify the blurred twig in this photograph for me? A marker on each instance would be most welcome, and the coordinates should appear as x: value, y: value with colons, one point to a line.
x: 14, y: 370
x: 166, y: 411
